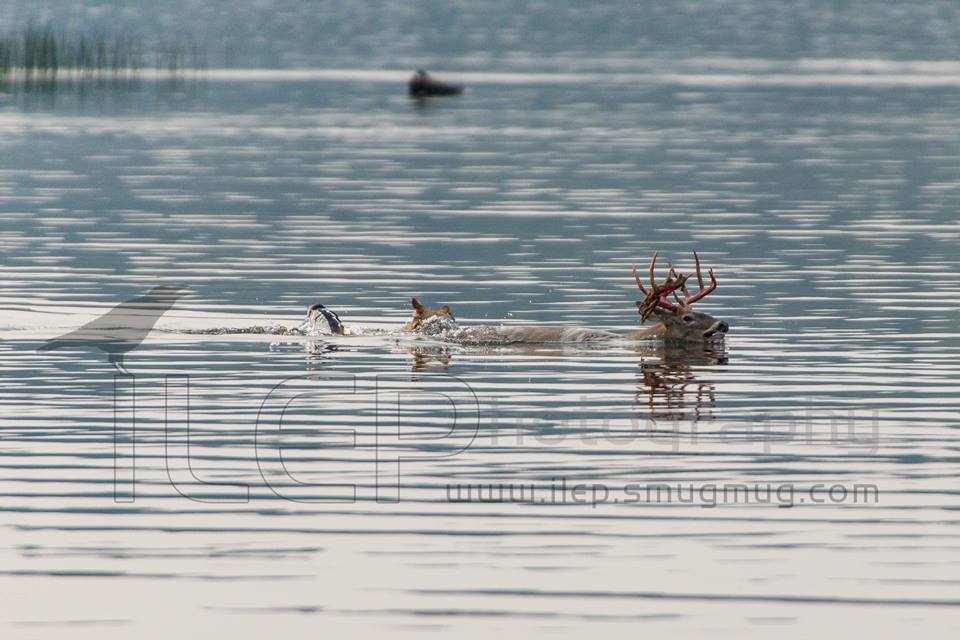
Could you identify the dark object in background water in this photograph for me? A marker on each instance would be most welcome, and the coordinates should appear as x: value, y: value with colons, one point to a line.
x: 422, y: 86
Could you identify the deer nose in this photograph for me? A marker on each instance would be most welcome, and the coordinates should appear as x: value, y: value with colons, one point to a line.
x: 719, y: 326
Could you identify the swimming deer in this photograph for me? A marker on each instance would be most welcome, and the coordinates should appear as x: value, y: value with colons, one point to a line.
x: 422, y: 315
x: 678, y: 322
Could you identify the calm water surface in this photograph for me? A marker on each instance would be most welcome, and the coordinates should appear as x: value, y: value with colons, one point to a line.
x: 824, y: 194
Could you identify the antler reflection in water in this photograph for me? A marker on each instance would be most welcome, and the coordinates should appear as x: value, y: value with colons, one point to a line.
x: 668, y: 384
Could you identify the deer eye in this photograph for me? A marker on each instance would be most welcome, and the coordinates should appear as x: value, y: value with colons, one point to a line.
x: 687, y: 318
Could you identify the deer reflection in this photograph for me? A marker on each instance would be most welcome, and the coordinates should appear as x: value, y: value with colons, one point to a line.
x: 669, y: 385
x: 429, y: 358
x: 319, y: 354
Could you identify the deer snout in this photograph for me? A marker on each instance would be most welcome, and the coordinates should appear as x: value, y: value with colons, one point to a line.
x: 717, y: 327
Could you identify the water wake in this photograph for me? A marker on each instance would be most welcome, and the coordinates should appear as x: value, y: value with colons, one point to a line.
x: 439, y: 328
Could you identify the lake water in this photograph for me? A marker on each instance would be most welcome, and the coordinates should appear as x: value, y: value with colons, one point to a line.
x: 812, y: 160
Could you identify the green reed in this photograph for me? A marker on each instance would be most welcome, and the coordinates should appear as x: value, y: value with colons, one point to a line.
x: 40, y: 52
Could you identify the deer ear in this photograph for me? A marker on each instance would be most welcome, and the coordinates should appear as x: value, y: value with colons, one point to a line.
x: 416, y: 304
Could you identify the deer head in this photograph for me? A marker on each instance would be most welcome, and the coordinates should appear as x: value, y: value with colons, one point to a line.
x: 680, y: 322
x: 421, y: 314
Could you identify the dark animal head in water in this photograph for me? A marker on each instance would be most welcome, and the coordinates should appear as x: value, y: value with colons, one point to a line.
x: 679, y: 321
x: 421, y: 314
x: 329, y: 321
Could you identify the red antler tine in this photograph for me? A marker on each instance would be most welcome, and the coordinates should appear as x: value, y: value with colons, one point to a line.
x: 664, y: 291
x: 704, y: 292
x: 670, y: 285
x: 637, y: 278
x: 659, y: 294
x: 696, y: 259
x: 653, y: 264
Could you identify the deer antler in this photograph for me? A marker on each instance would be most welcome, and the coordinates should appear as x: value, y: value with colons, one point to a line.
x: 657, y: 296
x: 704, y: 292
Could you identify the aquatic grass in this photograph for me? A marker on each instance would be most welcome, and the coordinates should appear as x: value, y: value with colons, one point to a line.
x: 39, y: 53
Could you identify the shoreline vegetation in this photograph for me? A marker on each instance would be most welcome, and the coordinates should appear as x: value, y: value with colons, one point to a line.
x: 39, y: 54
